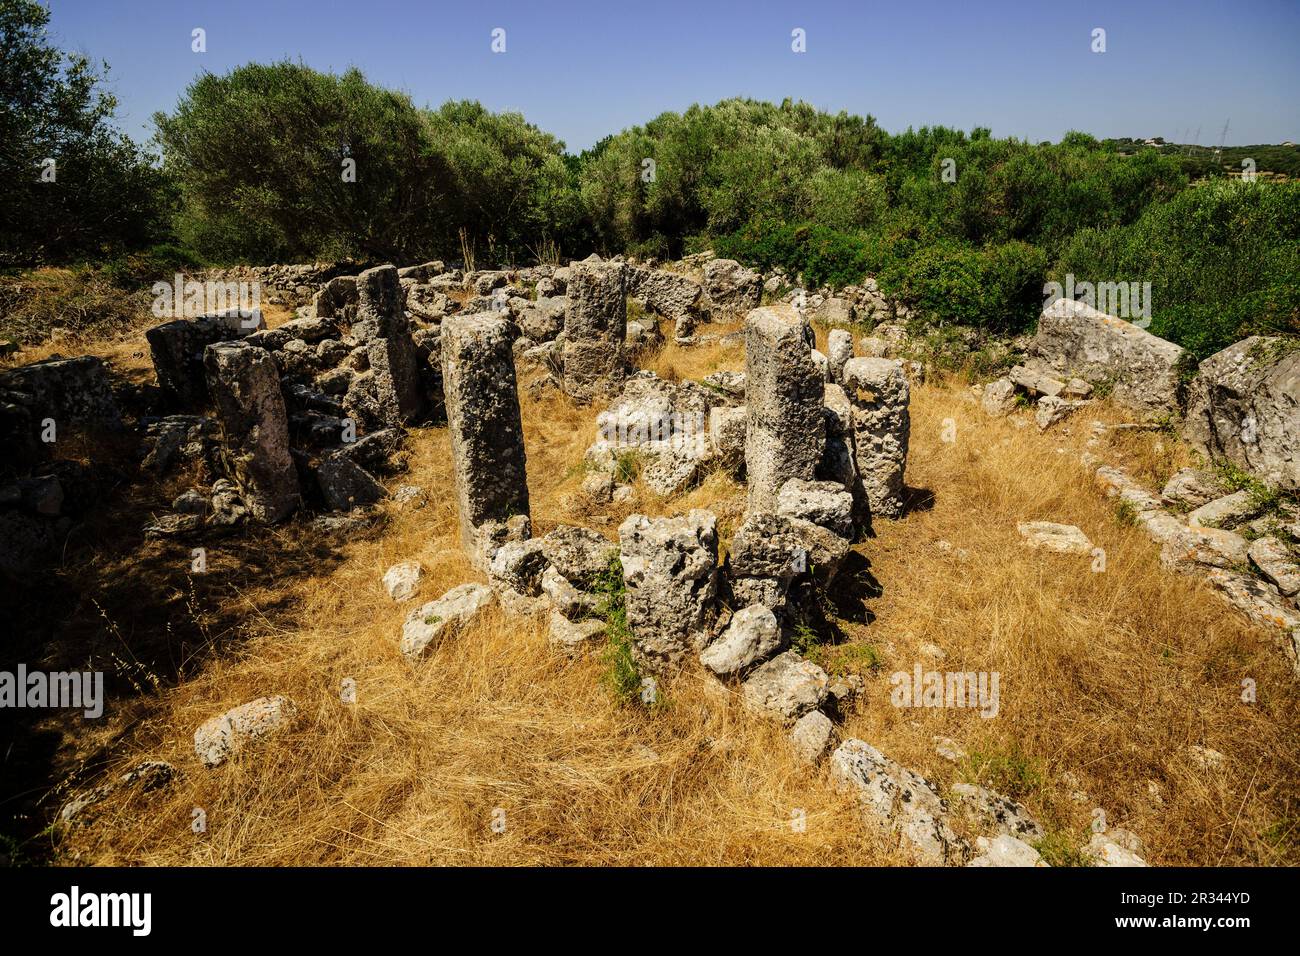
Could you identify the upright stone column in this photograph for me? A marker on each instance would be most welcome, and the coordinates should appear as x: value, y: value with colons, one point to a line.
x: 389, y: 346
x: 245, y: 387
x: 487, y: 437
x: 877, y: 389
x: 786, y: 431
x: 595, y: 325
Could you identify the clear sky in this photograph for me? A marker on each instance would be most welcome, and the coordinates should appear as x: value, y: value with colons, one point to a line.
x: 582, y: 69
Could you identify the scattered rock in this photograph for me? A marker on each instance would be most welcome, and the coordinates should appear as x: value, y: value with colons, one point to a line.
x: 1226, y: 512
x: 670, y: 572
x: 824, y: 503
x: 812, y: 736
x: 787, y: 686
x: 445, y: 617
x: 1005, y: 850
x: 401, y: 581
x: 570, y: 637
x: 999, y: 397
x: 1050, y: 536
x: 1003, y: 812
x: 751, y: 636
x: 227, y: 734
x: 898, y: 801
x: 1193, y: 487
x: 1276, y: 562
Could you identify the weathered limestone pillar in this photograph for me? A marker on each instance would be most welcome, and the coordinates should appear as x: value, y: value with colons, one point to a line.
x: 670, y: 568
x: 785, y: 432
x: 595, y: 325
x: 391, y: 350
x: 877, y: 389
x: 487, y: 437
x: 245, y: 387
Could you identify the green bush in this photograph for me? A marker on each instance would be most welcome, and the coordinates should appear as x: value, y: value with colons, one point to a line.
x: 1222, y: 259
x: 106, y: 194
x: 998, y: 288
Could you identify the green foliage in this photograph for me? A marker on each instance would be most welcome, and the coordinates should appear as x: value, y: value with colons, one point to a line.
x: 627, y: 467
x: 420, y: 177
x: 1062, y: 848
x: 1222, y: 260
x: 621, y: 676
x: 1006, y: 770
x: 106, y: 195
x: 998, y: 288
x: 805, y: 638
x: 1265, y: 498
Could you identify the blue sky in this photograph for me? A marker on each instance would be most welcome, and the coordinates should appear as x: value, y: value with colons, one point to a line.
x: 584, y: 69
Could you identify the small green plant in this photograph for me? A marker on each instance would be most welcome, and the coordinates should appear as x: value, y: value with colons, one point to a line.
x: 1061, y: 848
x: 1008, y: 771
x: 1103, y: 388
x: 627, y: 467
x: 1264, y: 498
x: 432, y: 619
x: 621, y: 676
x: 805, y: 638
x: 1126, y: 514
x: 635, y: 310
x: 850, y: 658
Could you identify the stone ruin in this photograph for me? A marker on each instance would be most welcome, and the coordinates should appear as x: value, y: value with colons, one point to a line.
x: 308, y: 414
x: 487, y: 437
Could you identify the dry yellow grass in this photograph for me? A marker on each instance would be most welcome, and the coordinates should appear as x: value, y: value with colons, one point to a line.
x: 1108, y: 676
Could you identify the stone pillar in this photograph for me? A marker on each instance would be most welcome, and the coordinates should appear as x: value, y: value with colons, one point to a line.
x: 595, y: 325
x: 785, y: 432
x: 389, y: 346
x: 177, y: 351
x: 839, y: 348
x: 877, y: 389
x: 670, y: 570
x: 245, y: 388
x: 487, y: 436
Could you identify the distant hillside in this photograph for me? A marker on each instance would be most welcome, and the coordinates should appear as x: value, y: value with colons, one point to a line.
x: 1274, y: 161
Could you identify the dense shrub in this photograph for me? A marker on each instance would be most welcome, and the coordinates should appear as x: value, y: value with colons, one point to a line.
x: 105, y: 195
x: 1222, y: 259
x: 281, y: 162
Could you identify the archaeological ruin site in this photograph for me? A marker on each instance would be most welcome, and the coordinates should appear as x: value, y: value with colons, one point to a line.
x: 495, y: 456
x: 684, y: 506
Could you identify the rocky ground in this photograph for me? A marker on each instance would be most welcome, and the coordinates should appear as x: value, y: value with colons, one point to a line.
x: 376, y: 681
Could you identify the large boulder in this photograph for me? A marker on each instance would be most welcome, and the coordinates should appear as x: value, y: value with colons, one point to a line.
x: 752, y: 635
x: 670, y: 573
x: 177, y: 351
x: 1143, y: 369
x: 670, y: 294
x: 732, y: 289
x: 1244, y: 405
x: 898, y: 801
x: 786, y: 687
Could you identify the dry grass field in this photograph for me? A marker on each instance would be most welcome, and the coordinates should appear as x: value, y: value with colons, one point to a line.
x: 1107, y: 678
